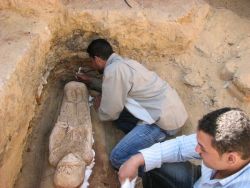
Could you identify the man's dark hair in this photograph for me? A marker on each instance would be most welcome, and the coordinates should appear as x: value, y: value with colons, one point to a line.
x: 229, y: 129
x: 100, y: 48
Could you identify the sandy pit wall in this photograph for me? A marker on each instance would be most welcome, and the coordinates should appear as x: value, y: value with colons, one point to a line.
x: 31, y: 32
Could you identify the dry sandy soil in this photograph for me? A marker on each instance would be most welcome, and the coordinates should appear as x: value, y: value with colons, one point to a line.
x: 196, y: 74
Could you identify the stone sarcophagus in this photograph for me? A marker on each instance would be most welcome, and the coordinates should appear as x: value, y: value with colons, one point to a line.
x: 70, y: 144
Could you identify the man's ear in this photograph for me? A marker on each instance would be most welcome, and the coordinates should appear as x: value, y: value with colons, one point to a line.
x: 232, y: 158
x: 99, y: 61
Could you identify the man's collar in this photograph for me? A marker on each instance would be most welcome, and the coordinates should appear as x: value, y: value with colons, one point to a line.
x: 110, y: 59
x: 223, y: 182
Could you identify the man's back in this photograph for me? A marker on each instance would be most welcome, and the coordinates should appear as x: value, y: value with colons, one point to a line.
x: 141, y: 91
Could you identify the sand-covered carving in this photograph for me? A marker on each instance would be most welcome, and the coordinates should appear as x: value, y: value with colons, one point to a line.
x: 70, y: 146
x: 236, y: 74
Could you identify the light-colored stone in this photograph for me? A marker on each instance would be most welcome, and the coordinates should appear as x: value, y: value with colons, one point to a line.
x: 71, y: 140
x: 242, y: 76
x: 242, y: 80
x: 73, y: 130
x: 22, y: 53
x: 193, y: 79
x: 70, y: 171
x: 237, y: 70
x: 235, y: 92
x: 229, y: 69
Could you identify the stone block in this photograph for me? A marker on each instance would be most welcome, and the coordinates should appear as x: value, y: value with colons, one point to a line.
x: 70, y: 171
x: 70, y: 145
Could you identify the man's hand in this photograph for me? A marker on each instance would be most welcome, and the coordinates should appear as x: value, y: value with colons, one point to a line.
x: 130, y: 168
x: 83, y: 77
x: 97, y: 102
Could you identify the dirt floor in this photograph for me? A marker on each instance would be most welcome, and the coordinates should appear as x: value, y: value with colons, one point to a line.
x: 195, y: 74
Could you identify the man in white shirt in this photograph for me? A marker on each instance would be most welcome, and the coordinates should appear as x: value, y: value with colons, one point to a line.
x: 221, y: 141
x: 144, y: 106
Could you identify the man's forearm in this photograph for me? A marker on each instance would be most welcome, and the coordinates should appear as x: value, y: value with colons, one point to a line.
x: 130, y: 168
x: 180, y: 149
x: 138, y: 160
x: 96, y: 84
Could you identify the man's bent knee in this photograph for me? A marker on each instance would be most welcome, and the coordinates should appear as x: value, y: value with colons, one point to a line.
x: 115, y: 159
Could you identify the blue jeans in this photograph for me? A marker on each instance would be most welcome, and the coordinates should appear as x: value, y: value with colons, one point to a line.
x: 138, y: 137
x: 126, y: 121
x: 172, y: 175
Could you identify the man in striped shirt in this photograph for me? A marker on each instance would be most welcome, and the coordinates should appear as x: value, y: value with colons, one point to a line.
x: 221, y: 141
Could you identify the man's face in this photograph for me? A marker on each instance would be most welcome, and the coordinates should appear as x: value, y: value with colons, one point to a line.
x: 97, y: 63
x: 93, y: 63
x: 209, y: 154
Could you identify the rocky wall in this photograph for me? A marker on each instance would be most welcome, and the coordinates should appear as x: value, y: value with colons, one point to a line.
x: 23, y: 49
x: 34, y: 39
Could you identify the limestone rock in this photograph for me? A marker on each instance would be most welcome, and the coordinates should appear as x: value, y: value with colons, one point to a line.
x: 71, y: 138
x: 242, y: 76
x: 242, y: 80
x: 70, y: 171
x: 22, y: 59
x: 234, y: 91
x: 193, y: 79
x: 237, y: 70
x: 171, y: 26
x: 228, y: 71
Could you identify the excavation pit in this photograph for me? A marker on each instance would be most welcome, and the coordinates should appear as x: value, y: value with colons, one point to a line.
x: 191, y: 44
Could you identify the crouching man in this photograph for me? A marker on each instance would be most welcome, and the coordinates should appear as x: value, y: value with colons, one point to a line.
x: 221, y: 142
x: 145, y: 107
